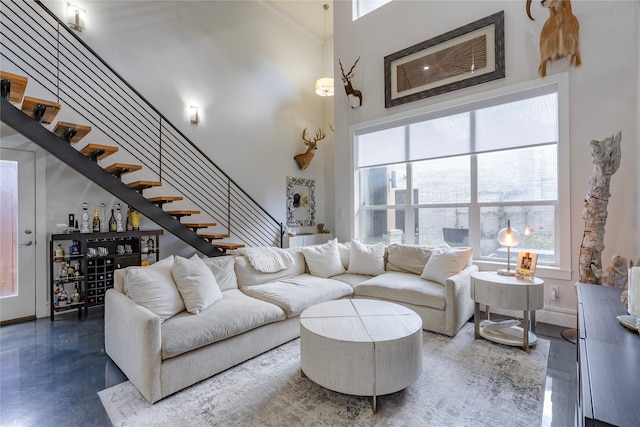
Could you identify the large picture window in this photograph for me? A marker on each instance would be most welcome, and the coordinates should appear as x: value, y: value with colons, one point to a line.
x: 457, y: 176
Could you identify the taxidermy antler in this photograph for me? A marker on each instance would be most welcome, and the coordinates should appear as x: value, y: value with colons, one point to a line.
x: 605, y: 156
x: 559, y: 35
x: 304, y: 159
x: 354, y: 96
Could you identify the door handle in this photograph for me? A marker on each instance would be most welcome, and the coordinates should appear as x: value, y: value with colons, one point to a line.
x: 27, y: 243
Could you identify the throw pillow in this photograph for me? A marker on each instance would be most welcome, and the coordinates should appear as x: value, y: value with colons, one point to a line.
x: 153, y: 288
x: 366, y: 259
x: 196, y: 283
x: 343, y: 250
x: 444, y: 264
x: 408, y: 258
x: 323, y: 260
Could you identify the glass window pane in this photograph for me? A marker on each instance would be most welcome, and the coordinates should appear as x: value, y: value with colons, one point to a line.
x: 441, y: 137
x: 362, y: 7
x: 437, y: 226
x: 527, y: 122
x: 536, y: 225
x: 381, y: 148
x: 382, y: 225
x: 443, y: 181
x: 526, y: 174
x: 8, y: 228
x: 383, y: 186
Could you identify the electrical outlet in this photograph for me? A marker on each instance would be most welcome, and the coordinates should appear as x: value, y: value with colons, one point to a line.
x: 555, y: 293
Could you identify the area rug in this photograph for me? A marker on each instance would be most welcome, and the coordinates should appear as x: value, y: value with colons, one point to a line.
x: 464, y: 382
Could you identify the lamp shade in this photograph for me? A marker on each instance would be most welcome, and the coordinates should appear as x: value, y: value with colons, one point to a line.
x: 324, y: 86
x: 508, y: 236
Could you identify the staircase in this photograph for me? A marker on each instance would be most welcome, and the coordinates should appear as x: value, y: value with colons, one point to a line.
x: 93, y: 97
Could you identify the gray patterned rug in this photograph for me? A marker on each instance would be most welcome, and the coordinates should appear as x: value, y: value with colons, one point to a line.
x: 465, y: 382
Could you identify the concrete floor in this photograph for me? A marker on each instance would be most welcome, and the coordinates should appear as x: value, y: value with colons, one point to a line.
x: 51, y: 372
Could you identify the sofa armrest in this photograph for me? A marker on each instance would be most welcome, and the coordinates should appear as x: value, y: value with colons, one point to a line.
x: 133, y: 341
x: 459, y: 305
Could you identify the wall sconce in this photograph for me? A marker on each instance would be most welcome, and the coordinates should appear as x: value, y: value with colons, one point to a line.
x: 193, y: 115
x: 76, y: 17
x: 508, y: 237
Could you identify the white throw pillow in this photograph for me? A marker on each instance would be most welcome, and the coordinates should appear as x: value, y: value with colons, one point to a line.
x: 366, y: 259
x: 153, y: 288
x: 343, y: 250
x: 444, y: 264
x: 323, y: 260
x: 196, y: 283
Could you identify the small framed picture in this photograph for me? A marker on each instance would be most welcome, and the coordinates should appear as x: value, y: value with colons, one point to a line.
x: 526, y: 266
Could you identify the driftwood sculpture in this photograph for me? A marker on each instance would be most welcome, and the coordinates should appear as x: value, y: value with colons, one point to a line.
x: 353, y: 95
x: 304, y: 159
x: 560, y: 34
x: 605, y: 156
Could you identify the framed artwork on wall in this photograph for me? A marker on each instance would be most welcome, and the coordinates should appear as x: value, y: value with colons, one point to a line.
x: 463, y: 57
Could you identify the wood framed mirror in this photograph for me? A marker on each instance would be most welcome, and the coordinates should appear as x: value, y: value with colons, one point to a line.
x: 301, y: 203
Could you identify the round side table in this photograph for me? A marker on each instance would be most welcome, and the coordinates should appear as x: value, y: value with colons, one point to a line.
x: 507, y: 292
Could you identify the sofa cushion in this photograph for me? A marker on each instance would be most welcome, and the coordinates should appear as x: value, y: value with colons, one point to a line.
x: 247, y: 275
x: 352, y: 279
x: 403, y: 287
x: 366, y: 259
x: 295, y: 294
x: 323, y: 260
x: 196, y: 283
x: 407, y: 258
x: 223, y: 270
x: 444, y: 264
x: 120, y: 274
x: 234, y: 314
x: 153, y: 288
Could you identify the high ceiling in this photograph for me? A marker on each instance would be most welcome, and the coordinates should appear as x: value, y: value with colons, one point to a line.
x: 309, y: 14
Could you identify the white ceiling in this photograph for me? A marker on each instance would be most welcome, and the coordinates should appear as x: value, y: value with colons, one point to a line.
x: 309, y: 14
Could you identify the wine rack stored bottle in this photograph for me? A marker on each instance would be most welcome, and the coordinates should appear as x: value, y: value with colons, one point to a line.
x: 79, y: 278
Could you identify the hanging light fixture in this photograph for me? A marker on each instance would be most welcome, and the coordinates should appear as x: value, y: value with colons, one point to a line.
x: 76, y: 17
x: 324, y: 85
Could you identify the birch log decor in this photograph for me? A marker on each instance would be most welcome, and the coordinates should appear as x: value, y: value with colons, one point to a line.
x: 605, y: 156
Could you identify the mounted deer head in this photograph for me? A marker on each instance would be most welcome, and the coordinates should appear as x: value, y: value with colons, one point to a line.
x: 354, y: 96
x: 304, y: 159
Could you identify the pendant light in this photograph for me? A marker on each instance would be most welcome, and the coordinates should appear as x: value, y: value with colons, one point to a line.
x: 324, y: 85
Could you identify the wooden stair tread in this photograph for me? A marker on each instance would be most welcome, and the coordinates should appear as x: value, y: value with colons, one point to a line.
x: 183, y: 212
x: 62, y: 128
x: 214, y: 236
x: 141, y: 185
x: 228, y: 246
x: 18, y: 85
x: 98, y: 151
x: 165, y: 199
x: 122, y: 168
x: 30, y: 104
x: 199, y: 224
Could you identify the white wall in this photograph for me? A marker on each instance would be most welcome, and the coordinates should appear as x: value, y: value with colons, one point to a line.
x: 603, y: 100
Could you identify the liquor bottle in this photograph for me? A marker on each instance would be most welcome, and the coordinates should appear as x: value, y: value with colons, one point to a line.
x: 151, y: 244
x: 96, y: 221
x: 59, y: 253
x: 104, y: 224
x: 56, y: 294
x: 129, y: 219
x: 144, y: 248
x: 75, y: 296
x: 84, y: 220
x: 119, y: 227
x: 135, y: 219
x: 112, y: 222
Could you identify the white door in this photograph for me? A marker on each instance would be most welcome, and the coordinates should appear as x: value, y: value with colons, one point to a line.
x: 17, y: 235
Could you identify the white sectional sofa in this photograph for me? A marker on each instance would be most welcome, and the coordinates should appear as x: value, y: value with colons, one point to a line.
x: 180, y: 320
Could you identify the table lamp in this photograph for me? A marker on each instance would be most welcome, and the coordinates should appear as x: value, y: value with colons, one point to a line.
x: 508, y: 237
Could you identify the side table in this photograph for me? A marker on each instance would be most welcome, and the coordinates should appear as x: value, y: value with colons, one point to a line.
x: 507, y: 292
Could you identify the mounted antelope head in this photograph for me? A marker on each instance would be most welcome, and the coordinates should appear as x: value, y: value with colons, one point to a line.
x: 354, y: 96
x: 304, y: 159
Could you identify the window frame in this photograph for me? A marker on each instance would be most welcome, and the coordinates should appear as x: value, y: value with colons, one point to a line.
x: 561, y: 269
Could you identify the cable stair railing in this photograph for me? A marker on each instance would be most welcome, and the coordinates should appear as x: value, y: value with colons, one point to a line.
x: 36, y: 44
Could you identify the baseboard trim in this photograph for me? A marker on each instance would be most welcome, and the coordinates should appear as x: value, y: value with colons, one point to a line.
x: 18, y: 320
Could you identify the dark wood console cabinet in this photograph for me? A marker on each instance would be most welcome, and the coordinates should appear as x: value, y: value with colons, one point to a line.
x: 608, y: 360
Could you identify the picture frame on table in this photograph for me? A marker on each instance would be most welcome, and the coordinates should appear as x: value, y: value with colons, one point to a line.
x: 460, y: 58
x: 526, y: 266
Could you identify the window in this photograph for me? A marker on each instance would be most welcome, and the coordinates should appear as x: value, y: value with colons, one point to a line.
x: 362, y: 7
x: 470, y: 169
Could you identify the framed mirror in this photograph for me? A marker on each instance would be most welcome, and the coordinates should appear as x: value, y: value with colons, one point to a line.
x: 301, y: 202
